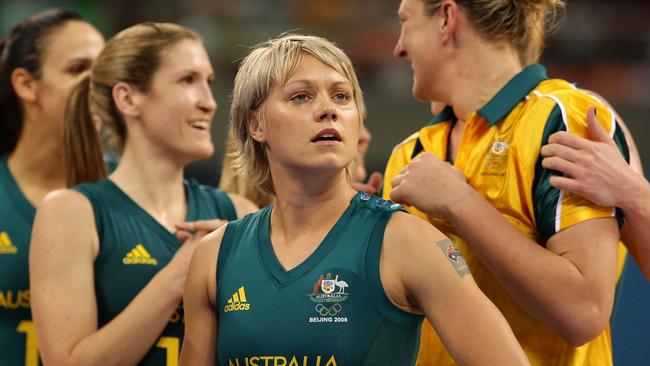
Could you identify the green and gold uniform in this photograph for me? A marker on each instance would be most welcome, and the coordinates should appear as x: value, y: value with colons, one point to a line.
x: 134, y: 247
x: 500, y: 155
x: 331, y: 310
x: 17, y: 337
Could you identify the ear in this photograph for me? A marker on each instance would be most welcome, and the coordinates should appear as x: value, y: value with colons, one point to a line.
x: 449, y: 13
x: 255, y: 127
x: 24, y: 85
x: 126, y: 99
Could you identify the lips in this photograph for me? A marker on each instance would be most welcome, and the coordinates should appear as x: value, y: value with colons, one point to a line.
x: 328, y: 134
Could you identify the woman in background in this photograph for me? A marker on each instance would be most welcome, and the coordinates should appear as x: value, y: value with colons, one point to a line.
x: 40, y: 59
x: 111, y: 243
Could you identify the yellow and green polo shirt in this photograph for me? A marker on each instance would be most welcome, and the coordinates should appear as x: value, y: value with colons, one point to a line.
x: 499, y: 154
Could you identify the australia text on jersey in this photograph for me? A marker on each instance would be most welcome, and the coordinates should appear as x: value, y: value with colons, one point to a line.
x: 283, y: 360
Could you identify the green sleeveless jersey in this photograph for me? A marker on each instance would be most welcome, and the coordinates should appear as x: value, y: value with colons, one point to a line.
x: 331, y: 310
x: 17, y: 337
x: 134, y: 247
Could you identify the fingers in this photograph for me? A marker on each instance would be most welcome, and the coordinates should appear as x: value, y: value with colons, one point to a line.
x: 375, y: 180
x: 566, y: 184
x: 373, y: 185
x: 564, y: 166
x: 596, y: 131
x: 183, y: 235
x: 201, y: 225
x: 395, y: 182
x: 362, y: 187
x: 567, y: 139
x: 195, y: 230
x: 561, y: 151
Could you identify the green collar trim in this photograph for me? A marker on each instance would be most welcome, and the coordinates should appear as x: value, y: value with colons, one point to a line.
x: 512, y: 93
x: 447, y: 114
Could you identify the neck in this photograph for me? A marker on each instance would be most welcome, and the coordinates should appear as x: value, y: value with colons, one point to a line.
x: 309, y: 203
x: 37, y: 163
x: 154, y: 183
x: 476, y: 83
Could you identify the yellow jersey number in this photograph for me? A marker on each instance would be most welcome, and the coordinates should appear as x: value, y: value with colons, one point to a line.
x: 31, y: 347
x: 172, y: 346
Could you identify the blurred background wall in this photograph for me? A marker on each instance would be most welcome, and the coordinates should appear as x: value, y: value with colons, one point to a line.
x: 602, y: 45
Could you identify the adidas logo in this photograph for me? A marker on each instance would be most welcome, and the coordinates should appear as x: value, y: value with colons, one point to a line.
x: 237, y: 302
x: 139, y: 255
x: 6, y: 246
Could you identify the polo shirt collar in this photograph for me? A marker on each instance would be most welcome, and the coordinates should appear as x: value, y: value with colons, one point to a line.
x: 447, y: 114
x: 512, y: 93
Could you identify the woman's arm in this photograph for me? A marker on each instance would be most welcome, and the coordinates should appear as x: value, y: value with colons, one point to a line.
x: 200, y: 339
x: 422, y: 270
x: 63, y: 248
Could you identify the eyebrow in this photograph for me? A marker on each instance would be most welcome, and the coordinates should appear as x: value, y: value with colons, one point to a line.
x: 309, y: 82
x: 192, y: 71
x: 80, y: 59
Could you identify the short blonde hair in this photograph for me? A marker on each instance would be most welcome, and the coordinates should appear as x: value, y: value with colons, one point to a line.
x: 269, y: 62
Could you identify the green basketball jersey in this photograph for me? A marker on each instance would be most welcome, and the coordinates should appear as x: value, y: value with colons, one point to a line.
x: 134, y: 247
x: 17, y: 337
x: 331, y: 310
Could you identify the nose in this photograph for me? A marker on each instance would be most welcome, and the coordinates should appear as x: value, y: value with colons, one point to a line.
x: 327, y: 112
x: 206, y: 100
x: 398, y: 50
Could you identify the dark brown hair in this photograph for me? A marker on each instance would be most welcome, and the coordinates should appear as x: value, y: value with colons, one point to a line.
x: 24, y: 47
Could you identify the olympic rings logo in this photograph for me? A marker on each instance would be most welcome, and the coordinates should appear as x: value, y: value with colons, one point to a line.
x: 333, y: 310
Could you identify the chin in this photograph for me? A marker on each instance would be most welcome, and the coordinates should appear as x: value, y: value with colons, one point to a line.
x: 418, y: 93
x: 202, y: 153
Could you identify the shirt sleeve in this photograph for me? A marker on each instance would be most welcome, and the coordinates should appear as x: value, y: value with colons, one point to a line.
x: 556, y: 210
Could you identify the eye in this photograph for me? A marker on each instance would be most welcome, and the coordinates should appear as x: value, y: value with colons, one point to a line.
x: 342, y: 96
x: 299, y: 97
x: 77, y: 68
x: 188, y: 79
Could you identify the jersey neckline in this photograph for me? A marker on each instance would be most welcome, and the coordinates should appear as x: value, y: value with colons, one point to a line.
x: 190, y: 215
x: 270, y: 261
x: 13, y: 191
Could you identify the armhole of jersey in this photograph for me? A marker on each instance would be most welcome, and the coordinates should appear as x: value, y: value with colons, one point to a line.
x: 624, y: 148
x: 543, y: 193
x: 227, y: 242
x: 225, y: 206
x: 373, y: 276
x: 418, y: 148
x: 99, y: 222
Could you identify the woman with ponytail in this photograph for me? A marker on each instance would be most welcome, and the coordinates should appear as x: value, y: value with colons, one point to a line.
x: 40, y: 59
x: 546, y: 258
x: 109, y: 257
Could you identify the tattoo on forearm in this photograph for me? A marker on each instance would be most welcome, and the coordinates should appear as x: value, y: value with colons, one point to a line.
x: 450, y: 250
